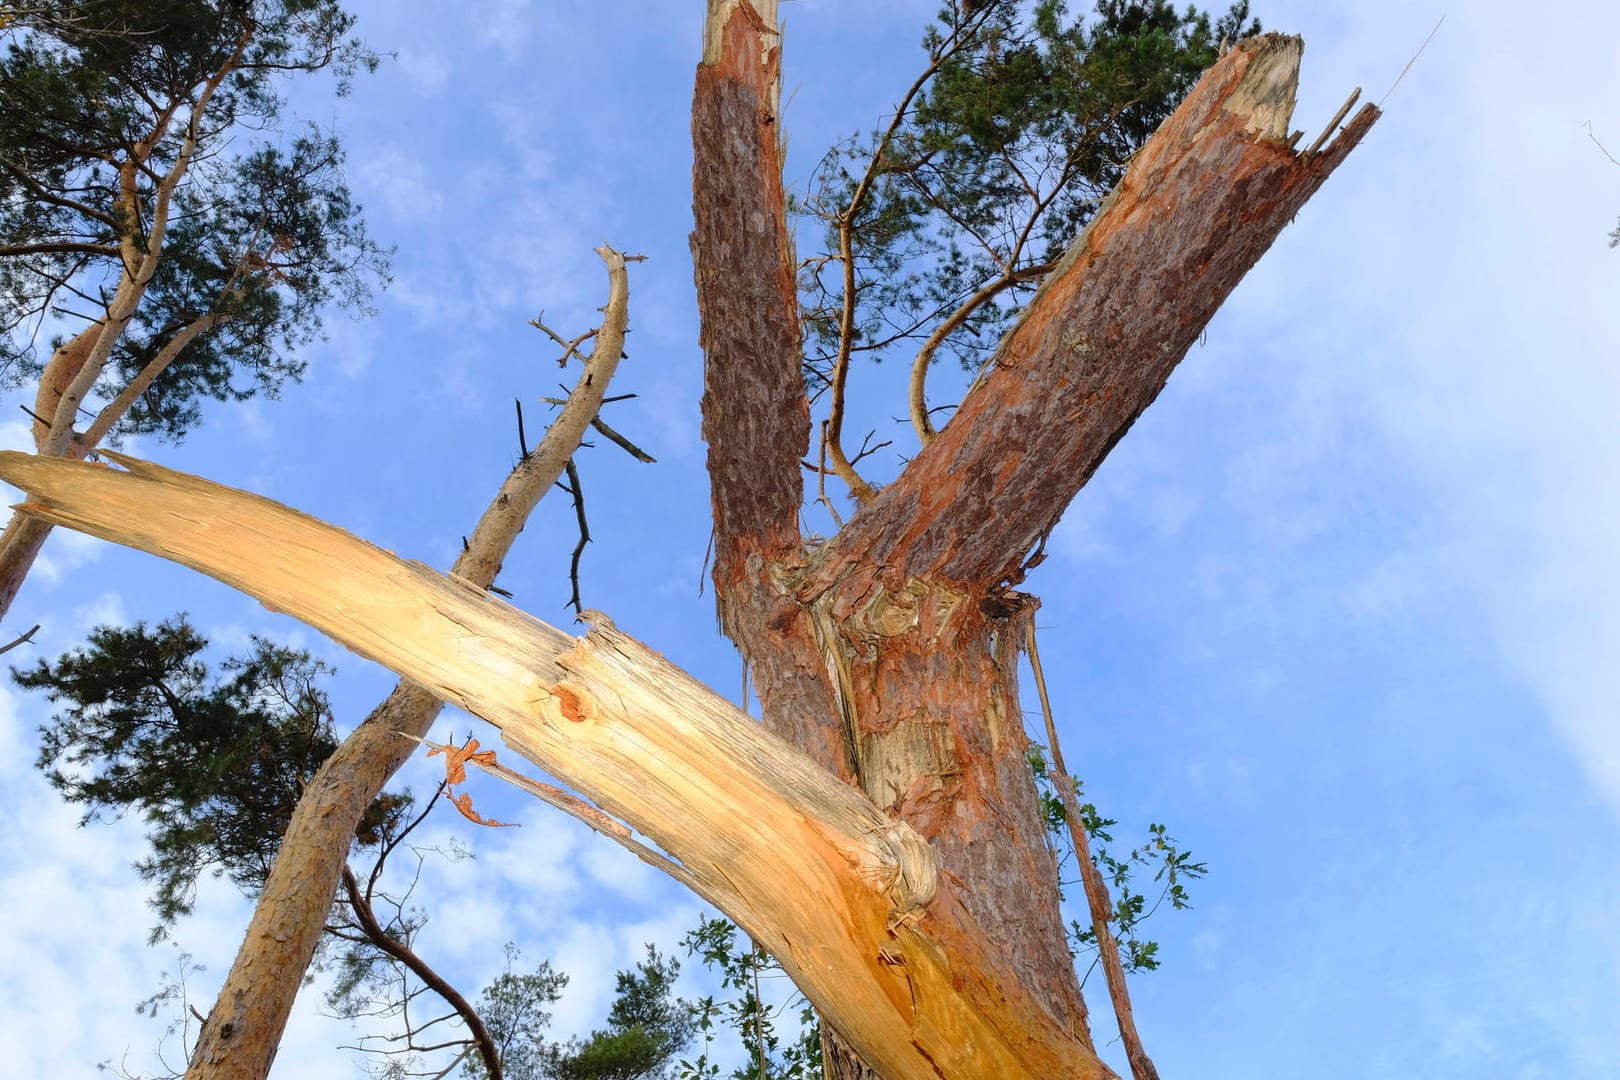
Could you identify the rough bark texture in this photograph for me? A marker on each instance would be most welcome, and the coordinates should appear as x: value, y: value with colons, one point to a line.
x: 756, y: 417
x: 932, y: 683
x: 1203, y: 200
x: 20, y: 545
x: 909, y: 608
x: 244, y: 1027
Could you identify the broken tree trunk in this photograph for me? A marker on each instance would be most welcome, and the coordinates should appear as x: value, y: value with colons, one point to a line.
x: 889, y: 653
x: 848, y: 900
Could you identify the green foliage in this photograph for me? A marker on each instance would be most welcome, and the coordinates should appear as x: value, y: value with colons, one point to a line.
x: 646, y: 1026
x: 1172, y: 867
x: 214, y: 765
x: 994, y: 166
x: 743, y: 970
x: 515, y: 1010
x: 101, y: 101
x: 264, y: 242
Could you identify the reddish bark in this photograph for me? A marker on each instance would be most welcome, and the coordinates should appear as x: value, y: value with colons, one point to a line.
x: 1202, y: 202
x: 897, y: 650
x: 756, y: 417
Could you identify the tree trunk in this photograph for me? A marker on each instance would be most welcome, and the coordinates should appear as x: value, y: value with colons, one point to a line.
x: 242, y: 1031
x: 920, y: 917
x: 20, y: 545
x: 890, y: 655
x: 22, y: 541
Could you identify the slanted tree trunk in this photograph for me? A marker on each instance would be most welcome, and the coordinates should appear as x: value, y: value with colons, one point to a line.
x: 918, y: 913
x: 243, y: 1029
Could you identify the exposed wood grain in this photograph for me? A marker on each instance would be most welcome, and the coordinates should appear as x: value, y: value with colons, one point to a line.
x: 848, y: 900
x: 243, y: 1029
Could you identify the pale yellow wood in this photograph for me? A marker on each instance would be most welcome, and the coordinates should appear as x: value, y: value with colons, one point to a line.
x: 848, y: 900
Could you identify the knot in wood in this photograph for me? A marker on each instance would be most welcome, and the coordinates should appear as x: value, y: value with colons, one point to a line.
x: 573, y: 704
x: 905, y: 864
x: 916, y: 605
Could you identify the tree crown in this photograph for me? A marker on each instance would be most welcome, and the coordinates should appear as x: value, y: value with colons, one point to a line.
x: 116, y: 124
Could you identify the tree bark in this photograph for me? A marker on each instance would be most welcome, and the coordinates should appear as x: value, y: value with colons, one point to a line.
x: 756, y: 417
x: 244, y: 1027
x: 908, y: 609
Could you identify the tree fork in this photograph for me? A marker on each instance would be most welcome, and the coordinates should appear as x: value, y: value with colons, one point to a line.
x: 1203, y: 200
x: 908, y: 603
x: 913, y: 978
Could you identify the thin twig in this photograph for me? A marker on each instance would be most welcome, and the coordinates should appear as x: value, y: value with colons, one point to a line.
x: 1097, y: 898
x: 539, y: 324
x: 25, y: 638
x: 1599, y: 145
x: 833, y: 432
x: 821, y: 480
x: 609, y: 433
x: 360, y: 904
x: 867, y: 447
x: 623, y: 443
x: 577, y: 490
x: 523, y: 443
x: 1410, y: 62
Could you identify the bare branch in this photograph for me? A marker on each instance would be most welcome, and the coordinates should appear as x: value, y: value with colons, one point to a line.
x: 116, y: 409
x: 1097, y: 899
x: 21, y: 639
x: 577, y: 490
x: 44, y: 194
x: 59, y: 247
x: 1094, y: 346
x: 921, y: 420
x: 360, y: 904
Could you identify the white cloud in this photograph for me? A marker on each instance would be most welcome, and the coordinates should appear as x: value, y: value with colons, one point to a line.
x: 408, y: 191
x: 65, y: 553
x: 427, y: 71
x: 105, y: 610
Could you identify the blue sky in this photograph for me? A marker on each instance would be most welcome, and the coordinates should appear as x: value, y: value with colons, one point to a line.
x: 1341, y: 610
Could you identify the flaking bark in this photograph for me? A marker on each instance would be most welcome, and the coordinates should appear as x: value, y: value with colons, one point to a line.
x: 1203, y: 200
x: 890, y: 653
x: 909, y: 607
x: 756, y: 417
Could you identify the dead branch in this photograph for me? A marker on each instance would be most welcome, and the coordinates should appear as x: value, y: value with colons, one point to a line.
x: 577, y: 491
x: 21, y: 639
x: 1098, y: 902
